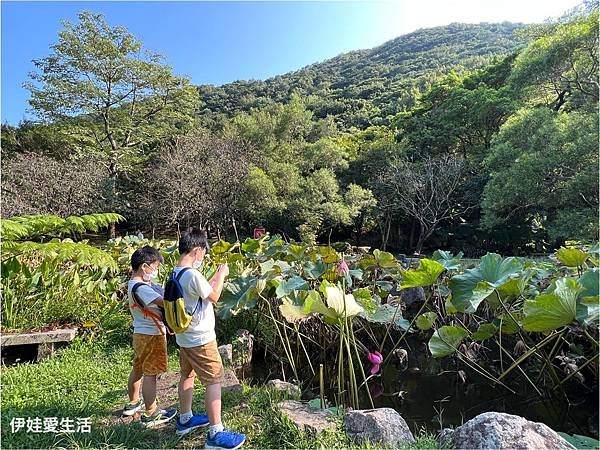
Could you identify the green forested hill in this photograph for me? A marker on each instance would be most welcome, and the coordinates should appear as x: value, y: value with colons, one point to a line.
x: 365, y: 87
x: 457, y: 137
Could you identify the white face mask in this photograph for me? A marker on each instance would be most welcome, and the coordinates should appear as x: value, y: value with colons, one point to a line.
x: 198, y: 263
x: 150, y: 276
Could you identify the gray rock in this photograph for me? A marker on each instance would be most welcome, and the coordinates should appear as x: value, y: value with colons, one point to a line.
x: 445, y: 438
x: 291, y: 389
x: 494, y: 430
x: 231, y: 382
x: 383, y: 426
x: 412, y: 295
x: 226, y: 352
x: 242, y: 345
x: 306, y: 418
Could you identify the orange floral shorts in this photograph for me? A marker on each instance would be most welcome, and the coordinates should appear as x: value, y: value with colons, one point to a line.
x: 204, y: 360
x: 150, y: 353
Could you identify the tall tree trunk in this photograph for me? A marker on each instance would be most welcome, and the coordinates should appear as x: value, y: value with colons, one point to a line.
x: 421, y: 241
x: 359, y: 230
x: 411, y: 239
x: 386, y: 233
x: 112, y: 231
x: 237, y: 237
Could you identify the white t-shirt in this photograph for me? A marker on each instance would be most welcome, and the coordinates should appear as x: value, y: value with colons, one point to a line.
x: 202, y: 327
x: 146, y: 295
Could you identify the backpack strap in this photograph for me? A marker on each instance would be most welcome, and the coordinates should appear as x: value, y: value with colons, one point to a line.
x: 181, y: 272
x: 145, y: 310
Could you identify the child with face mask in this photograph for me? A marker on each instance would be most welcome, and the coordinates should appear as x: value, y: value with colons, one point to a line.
x: 149, y: 337
x: 198, y: 352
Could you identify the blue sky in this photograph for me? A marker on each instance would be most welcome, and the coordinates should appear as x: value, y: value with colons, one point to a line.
x: 219, y: 42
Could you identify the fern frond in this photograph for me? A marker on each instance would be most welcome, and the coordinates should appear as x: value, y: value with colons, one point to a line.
x: 24, y: 227
x: 81, y: 253
x: 11, y: 230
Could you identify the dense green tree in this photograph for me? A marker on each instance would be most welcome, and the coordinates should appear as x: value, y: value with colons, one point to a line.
x: 109, y: 92
x: 459, y: 113
x: 544, y: 169
x: 294, y: 187
x: 560, y: 68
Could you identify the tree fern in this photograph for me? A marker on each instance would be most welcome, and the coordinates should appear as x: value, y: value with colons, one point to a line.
x: 64, y: 251
x: 26, y: 227
x: 83, y: 277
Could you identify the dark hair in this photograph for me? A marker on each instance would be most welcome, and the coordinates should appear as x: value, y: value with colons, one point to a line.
x: 191, y: 239
x: 145, y: 255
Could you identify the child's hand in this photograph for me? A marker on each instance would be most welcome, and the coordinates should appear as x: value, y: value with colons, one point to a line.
x: 224, y: 270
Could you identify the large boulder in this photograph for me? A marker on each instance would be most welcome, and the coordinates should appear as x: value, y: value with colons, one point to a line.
x: 307, y: 419
x: 383, y: 426
x: 226, y: 352
x: 412, y: 295
x: 291, y: 389
x: 231, y: 382
x: 494, y: 430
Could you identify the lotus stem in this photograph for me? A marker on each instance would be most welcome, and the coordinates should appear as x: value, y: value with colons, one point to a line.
x: 321, y: 386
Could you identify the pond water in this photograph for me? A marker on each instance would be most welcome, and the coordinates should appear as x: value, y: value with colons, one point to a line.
x: 428, y: 399
x: 434, y: 396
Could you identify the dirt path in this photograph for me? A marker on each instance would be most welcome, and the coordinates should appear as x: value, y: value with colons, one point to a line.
x: 166, y: 394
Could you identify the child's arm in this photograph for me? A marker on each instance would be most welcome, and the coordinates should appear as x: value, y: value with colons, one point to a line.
x: 217, y: 283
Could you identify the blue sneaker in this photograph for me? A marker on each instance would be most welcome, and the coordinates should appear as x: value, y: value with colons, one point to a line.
x: 225, y: 439
x: 197, y: 421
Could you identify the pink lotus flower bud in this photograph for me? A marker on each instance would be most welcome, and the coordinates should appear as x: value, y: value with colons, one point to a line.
x: 376, y: 359
x: 342, y: 268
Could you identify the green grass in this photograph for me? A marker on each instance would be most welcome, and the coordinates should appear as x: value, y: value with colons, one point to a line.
x: 88, y: 379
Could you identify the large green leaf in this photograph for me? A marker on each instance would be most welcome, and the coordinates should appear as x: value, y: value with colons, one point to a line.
x: 223, y: 247
x: 426, y: 320
x: 571, y: 257
x: 509, y: 323
x: 445, y: 340
x: 553, y: 310
x: 314, y: 304
x: 367, y: 261
x: 313, y: 270
x: 237, y: 295
x: 588, y: 305
x: 485, y: 331
x: 253, y: 245
x: 475, y: 285
x: 581, y: 442
x: 291, y: 284
x: 291, y: 311
x: 425, y: 275
x: 365, y: 299
x: 276, y: 266
x: 328, y: 254
x: 385, y: 260
x: 447, y: 259
x: 385, y: 314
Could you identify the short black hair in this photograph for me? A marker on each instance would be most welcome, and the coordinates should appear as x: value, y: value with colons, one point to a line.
x: 191, y: 239
x: 145, y: 255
